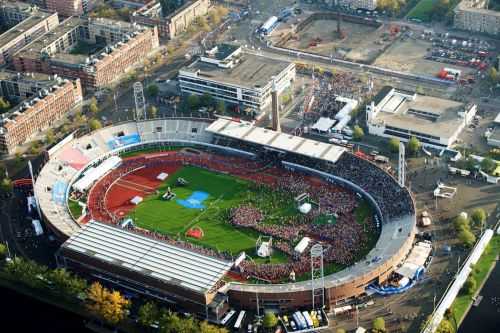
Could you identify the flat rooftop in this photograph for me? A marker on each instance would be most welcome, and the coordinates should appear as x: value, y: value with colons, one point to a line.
x: 147, y: 256
x: 23, y: 26
x: 252, y: 72
x: 33, y: 49
x: 41, y: 78
x: 425, y: 114
x: 276, y: 140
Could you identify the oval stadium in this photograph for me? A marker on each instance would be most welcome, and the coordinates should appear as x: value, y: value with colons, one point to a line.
x: 211, y: 215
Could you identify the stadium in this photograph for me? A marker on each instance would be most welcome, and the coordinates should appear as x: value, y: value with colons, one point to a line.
x: 209, y: 215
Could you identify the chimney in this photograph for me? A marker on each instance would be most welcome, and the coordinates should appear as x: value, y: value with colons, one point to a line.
x: 275, y: 114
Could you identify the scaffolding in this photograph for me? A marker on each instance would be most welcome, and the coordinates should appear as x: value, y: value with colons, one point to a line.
x: 140, y: 102
x: 317, y: 277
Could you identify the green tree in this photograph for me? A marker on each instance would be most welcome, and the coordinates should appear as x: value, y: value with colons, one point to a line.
x: 171, y: 323
x: 6, y: 185
x: 205, y: 327
x: 35, y: 147
x: 493, y: 75
x: 206, y: 100
x: 94, y: 124
x: 93, y: 108
x: 26, y: 271
x: 66, y: 283
x: 470, y: 285
x: 193, y: 102
x: 152, y: 111
x: 270, y: 320
x: 414, y: 145
x: 394, y: 145
x: 488, y: 165
x: 466, y: 237
x: 358, y: 133
x: 461, y: 223
x: 4, y: 105
x: 445, y: 326
x: 148, y: 314
x: 3, y: 251
x: 378, y: 325
x: 152, y: 90
x: 221, y: 107
x: 478, y: 217
x: 50, y: 137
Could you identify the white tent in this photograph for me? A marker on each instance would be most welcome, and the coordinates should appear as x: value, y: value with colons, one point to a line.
x: 38, y: 227
x: 136, y: 200
x: 264, y: 250
x: 162, y: 176
x: 302, y: 245
x: 305, y: 208
x: 93, y: 174
x: 323, y: 124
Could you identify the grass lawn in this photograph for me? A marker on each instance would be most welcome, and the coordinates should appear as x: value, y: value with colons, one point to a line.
x: 75, y: 209
x: 479, y: 272
x: 225, y: 191
x: 422, y: 11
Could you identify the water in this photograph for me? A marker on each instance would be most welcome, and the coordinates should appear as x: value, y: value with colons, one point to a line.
x: 27, y: 315
x: 485, y: 317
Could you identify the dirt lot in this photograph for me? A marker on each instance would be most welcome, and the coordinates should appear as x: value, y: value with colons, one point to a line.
x: 358, y: 43
x: 407, y: 55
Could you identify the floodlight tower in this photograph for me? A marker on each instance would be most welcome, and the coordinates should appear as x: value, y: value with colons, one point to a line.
x: 140, y: 102
x: 317, y: 276
x: 401, y: 165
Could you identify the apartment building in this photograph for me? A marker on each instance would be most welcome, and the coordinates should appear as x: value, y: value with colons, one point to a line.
x: 358, y: 4
x: 67, y: 7
x: 19, y: 86
x: 473, y: 15
x: 20, y: 124
x: 175, y: 23
x: 112, y: 48
x: 24, y: 23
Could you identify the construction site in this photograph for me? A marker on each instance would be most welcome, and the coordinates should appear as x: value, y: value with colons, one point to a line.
x: 336, y: 35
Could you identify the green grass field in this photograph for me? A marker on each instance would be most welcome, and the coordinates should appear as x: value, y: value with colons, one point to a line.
x: 173, y: 219
x: 422, y: 11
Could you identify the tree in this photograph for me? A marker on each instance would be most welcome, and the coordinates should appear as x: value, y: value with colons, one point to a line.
x: 445, y: 326
x: 50, y: 137
x: 394, y: 145
x: 152, y: 111
x: 66, y: 283
x: 488, y: 165
x: 4, y: 105
x: 414, y: 145
x: 478, y: 217
x: 201, y: 21
x: 152, y: 90
x: 26, y: 271
x: 35, y: 147
x: 357, y: 133
x: 205, y: 327
x: 466, y: 237
x: 6, y: 185
x: 193, y: 101
x: 94, y: 124
x: 206, y: 100
x: 3, y: 251
x: 108, y: 305
x: 93, y: 108
x: 378, y: 325
x: 148, y: 313
x: 170, y: 322
x: 461, y: 223
x: 270, y: 320
x: 340, y: 330
x: 221, y: 107
x: 493, y: 75
x: 470, y: 285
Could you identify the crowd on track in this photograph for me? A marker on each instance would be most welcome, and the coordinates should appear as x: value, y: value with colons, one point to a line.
x: 340, y: 234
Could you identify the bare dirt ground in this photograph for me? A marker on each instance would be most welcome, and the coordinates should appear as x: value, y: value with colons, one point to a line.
x: 358, y: 43
x: 407, y: 55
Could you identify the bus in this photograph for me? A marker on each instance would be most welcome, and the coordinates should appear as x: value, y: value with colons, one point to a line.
x: 228, y: 317
x: 239, y: 321
x: 308, y: 319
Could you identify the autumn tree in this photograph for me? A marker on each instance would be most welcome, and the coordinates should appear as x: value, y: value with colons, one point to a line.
x: 111, y: 306
x: 358, y: 133
x: 394, y: 145
x: 152, y: 111
x: 414, y: 145
x: 93, y: 108
x: 478, y: 217
x: 378, y: 325
x: 4, y: 105
x: 94, y: 124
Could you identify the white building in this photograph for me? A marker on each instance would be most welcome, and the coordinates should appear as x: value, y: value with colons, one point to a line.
x: 229, y: 74
x: 358, y: 4
x: 435, y: 122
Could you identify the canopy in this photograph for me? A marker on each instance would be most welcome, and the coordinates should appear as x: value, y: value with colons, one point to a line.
x: 302, y: 245
x: 162, y: 176
x: 323, y: 124
x: 93, y: 174
x: 136, y: 200
x: 305, y: 208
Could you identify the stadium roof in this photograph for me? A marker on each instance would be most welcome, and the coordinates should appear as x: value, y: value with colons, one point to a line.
x: 285, y: 142
x: 168, y: 263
